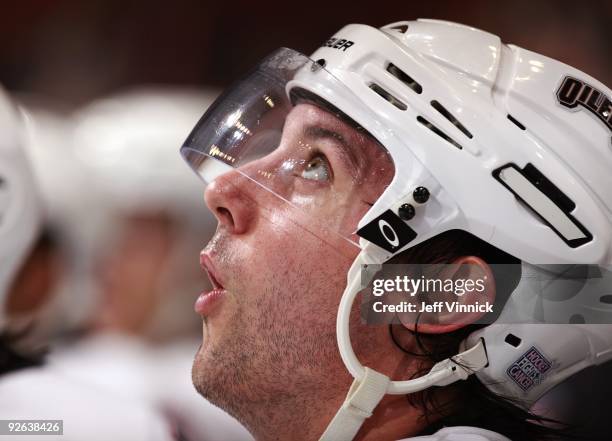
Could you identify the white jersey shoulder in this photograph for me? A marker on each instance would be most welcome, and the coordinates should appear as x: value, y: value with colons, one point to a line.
x: 462, y: 433
x: 88, y: 413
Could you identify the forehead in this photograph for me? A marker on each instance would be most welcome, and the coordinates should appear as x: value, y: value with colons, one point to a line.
x: 311, y: 120
x: 310, y: 114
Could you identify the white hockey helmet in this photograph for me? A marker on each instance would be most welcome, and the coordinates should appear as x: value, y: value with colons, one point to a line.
x: 506, y: 144
x: 119, y: 147
x: 20, y: 215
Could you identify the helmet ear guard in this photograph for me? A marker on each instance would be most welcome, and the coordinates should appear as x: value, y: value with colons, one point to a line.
x: 538, y: 341
x: 553, y: 352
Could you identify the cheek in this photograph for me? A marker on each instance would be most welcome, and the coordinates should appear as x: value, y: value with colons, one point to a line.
x: 298, y: 266
x: 295, y: 260
x: 322, y: 229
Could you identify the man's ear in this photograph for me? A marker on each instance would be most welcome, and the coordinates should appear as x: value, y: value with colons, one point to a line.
x: 453, y: 310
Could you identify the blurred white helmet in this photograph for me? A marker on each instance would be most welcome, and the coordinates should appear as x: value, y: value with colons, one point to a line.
x: 113, y: 157
x: 69, y: 209
x: 126, y: 143
x: 19, y: 204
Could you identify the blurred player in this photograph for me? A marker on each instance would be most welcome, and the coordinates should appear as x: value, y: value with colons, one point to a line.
x: 30, y: 387
x: 129, y: 241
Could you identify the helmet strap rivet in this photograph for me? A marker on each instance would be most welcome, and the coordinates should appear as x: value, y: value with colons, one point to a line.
x: 420, y: 195
x: 406, y: 212
x: 318, y: 64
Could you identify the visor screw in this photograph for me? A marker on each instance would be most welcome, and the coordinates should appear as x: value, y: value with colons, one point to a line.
x: 420, y: 195
x: 318, y: 64
x: 406, y: 212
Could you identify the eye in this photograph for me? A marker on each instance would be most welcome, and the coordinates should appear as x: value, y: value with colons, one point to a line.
x: 317, y: 169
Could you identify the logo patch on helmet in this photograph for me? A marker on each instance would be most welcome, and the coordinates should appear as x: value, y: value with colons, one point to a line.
x: 342, y: 44
x: 529, y: 370
x: 573, y: 92
x: 387, y: 231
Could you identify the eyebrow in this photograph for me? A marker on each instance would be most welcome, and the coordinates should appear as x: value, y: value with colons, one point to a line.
x: 318, y: 132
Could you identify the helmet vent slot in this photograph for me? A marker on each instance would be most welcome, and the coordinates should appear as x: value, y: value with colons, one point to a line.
x: 546, y: 200
x: 400, y: 28
x: 404, y: 77
x: 536, y: 177
x: 516, y: 122
x: 606, y: 299
x: 438, y: 132
x: 513, y: 340
x: 387, y: 96
x: 449, y: 116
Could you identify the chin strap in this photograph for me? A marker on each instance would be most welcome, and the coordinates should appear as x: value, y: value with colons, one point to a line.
x: 365, y: 394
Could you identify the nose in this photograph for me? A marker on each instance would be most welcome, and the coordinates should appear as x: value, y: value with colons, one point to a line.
x: 231, y: 203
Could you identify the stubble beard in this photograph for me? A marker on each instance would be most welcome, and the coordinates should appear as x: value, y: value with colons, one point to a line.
x: 266, y: 371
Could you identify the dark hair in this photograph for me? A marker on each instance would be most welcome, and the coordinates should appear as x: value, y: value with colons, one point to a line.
x: 479, y: 406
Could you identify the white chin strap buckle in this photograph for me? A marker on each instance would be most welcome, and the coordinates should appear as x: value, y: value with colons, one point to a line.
x: 363, y: 396
x: 365, y: 393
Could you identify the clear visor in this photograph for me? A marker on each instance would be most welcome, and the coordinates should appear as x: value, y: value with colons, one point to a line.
x: 279, y: 138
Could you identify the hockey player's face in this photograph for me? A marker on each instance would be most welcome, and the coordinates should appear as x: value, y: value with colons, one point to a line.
x: 277, y: 260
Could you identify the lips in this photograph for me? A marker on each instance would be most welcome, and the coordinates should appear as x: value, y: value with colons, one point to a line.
x: 208, y: 301
x: 207, y: 265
